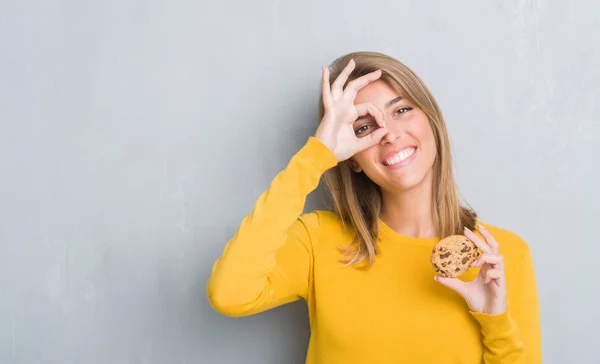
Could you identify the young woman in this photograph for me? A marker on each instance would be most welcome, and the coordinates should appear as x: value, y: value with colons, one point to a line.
x: 364, y: 269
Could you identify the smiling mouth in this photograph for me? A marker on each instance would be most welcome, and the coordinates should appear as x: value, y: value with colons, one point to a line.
x: 399, y: 157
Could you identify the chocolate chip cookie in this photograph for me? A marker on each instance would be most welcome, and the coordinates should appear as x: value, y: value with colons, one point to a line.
x: 452, y: 256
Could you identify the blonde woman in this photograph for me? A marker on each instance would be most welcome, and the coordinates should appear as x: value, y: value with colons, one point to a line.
x: 383, y: 151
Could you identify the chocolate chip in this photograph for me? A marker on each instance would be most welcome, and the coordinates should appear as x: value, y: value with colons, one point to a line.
x: 465, y: 249
x: 457, y: 269
x: 465, y: 260
x: 445, y: 255
x: 444, y: 264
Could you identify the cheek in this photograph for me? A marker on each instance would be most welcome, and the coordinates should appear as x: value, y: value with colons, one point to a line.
x: 365, y: 158
x: 428, y: 143
x: 424, y: 132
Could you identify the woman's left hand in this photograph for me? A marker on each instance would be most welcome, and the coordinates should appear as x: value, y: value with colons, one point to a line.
x: 487, y: 292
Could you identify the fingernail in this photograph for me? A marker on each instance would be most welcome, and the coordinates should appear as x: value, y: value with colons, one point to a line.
x: 467, y: 229
x: 480, y: 227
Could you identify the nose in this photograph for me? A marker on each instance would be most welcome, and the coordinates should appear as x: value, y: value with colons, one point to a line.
x: 391, y: 136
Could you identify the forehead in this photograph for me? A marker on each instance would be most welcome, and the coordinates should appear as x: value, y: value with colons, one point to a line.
x: 378, y: 93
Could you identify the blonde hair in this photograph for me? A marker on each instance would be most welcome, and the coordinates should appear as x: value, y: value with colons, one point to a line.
x: 357, y: 200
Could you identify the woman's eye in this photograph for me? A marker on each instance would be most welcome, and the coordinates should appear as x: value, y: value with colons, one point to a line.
x: 403, y: 110
x: 362, y: 129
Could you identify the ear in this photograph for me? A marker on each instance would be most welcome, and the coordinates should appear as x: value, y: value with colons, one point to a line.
x: 354, y: 166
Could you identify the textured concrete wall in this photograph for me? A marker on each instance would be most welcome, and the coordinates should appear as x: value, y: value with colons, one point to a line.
x: 135, y: 135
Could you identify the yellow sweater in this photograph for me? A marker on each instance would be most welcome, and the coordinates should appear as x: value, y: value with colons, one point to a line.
x: 392, y: 313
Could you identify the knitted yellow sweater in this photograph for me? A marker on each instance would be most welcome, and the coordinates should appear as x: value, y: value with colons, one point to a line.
x: 393, y: 312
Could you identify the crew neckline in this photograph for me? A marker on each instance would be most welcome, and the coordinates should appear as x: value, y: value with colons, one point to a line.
x: 388, y: 233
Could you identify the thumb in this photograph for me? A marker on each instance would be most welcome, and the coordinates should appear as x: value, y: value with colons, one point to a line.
x: 372, y: 139
x: 453, y: 283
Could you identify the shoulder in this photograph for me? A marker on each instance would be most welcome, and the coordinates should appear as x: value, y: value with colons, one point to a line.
x: 512, y: 246
x: 326, y: 224
x: 321, y: 219
x: 506, y: 238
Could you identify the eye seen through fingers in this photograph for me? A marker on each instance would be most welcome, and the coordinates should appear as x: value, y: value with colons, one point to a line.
x: 369, y: 125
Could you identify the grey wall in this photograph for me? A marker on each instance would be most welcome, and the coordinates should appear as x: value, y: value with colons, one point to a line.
x: 135, y: 136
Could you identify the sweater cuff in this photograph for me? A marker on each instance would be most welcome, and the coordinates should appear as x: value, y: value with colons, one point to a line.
x: 317, y: 155
x: 492, y: 325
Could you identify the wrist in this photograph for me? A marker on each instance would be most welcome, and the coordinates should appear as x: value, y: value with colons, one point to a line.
x: 496, y: 309
x: 491, y: 323
x: 325, y: 141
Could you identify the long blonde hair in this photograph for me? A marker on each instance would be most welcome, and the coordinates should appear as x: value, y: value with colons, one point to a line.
x: 357, y: 200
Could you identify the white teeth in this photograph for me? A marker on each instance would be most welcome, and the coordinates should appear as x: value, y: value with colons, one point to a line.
x: 400, y: 156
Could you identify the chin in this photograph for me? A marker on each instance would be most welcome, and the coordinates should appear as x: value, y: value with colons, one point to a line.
x: 405, y: 186
x: 407, y: 182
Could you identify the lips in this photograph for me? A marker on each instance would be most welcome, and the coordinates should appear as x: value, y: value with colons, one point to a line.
x: 398, y: 155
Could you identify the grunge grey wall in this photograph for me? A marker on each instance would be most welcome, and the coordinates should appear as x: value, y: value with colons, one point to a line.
x: 136, y: 135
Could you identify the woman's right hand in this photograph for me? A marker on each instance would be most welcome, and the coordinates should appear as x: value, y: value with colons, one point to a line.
x: 336, y: 129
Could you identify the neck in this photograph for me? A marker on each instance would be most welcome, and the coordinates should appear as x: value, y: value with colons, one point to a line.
x: 410, y: 212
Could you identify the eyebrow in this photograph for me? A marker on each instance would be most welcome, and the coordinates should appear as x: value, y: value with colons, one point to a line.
x: 392, y: 102
x: 387, y: 105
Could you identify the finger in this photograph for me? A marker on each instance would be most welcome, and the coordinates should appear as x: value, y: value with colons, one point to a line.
x: 489, y: 238
x: 354, y: 86
x: 453, y: 283
x: 495, y: 260
x: 479, y: 242
x: 371, y: 139
x: 493, y: 274
x: 326, y: 88
x: 336, y: 87
x: 369, y: 108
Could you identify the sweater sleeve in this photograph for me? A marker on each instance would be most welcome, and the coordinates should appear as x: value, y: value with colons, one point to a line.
x: 268, y: 262
x: 515, y: 337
